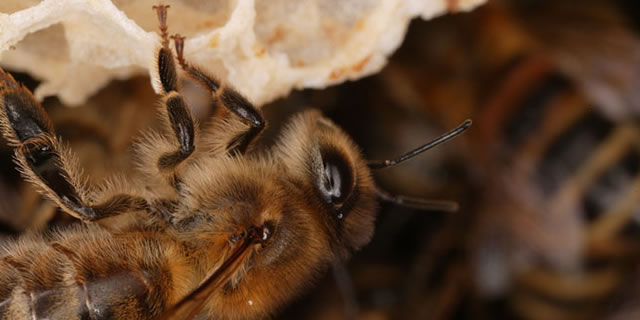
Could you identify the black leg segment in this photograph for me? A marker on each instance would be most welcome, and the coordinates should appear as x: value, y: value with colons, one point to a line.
x: 182, y: 125
x: 23, y: 117
x: 167, y: 70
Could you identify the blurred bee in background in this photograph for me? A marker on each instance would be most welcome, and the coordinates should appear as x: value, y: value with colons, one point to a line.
x: 209, y: 223
x: 551, y: 230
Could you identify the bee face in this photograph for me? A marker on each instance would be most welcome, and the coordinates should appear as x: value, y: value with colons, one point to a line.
x: 337, y: 184
x: 313, y: 191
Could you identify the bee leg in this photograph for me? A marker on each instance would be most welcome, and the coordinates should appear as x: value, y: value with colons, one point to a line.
x: 229, y: 98
x: 26, y: 126
x: 176, y: 110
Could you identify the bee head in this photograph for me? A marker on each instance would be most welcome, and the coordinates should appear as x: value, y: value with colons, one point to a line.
x: 327, y: 167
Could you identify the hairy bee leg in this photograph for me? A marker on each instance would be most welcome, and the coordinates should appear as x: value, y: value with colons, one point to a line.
x: 228, y: 97
x: 27, y: 127
x: 177, y: 112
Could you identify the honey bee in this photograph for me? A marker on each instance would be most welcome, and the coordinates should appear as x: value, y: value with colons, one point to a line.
x: 212, y: 225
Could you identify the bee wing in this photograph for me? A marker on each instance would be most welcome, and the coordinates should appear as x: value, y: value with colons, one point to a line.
x: 192, y: 305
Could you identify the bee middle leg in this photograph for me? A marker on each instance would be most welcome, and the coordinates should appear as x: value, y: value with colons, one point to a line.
x: 45, y: 162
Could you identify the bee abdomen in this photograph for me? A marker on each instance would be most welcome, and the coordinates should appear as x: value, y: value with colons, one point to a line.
x: 22, y: 299
x: 43, y: 282
x: 120, y: 295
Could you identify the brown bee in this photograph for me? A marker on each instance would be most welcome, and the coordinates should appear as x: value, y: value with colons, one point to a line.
x: 212, y: 224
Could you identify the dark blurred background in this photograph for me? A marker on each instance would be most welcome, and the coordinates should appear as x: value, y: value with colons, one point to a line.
x: 546, y: 178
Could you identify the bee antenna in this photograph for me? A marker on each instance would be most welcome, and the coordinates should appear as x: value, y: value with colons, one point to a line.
x: 380, y: 164
x: 419, y: 203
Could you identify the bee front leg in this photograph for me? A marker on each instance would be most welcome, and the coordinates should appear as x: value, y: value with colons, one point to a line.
x: 44, y: 161
x: 177, y: 113
x: 229, y: 98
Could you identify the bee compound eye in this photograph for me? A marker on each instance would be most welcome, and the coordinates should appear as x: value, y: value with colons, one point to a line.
x: 337, y: 178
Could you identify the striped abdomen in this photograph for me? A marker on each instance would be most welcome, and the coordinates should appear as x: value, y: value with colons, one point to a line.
x: 88, y: 274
